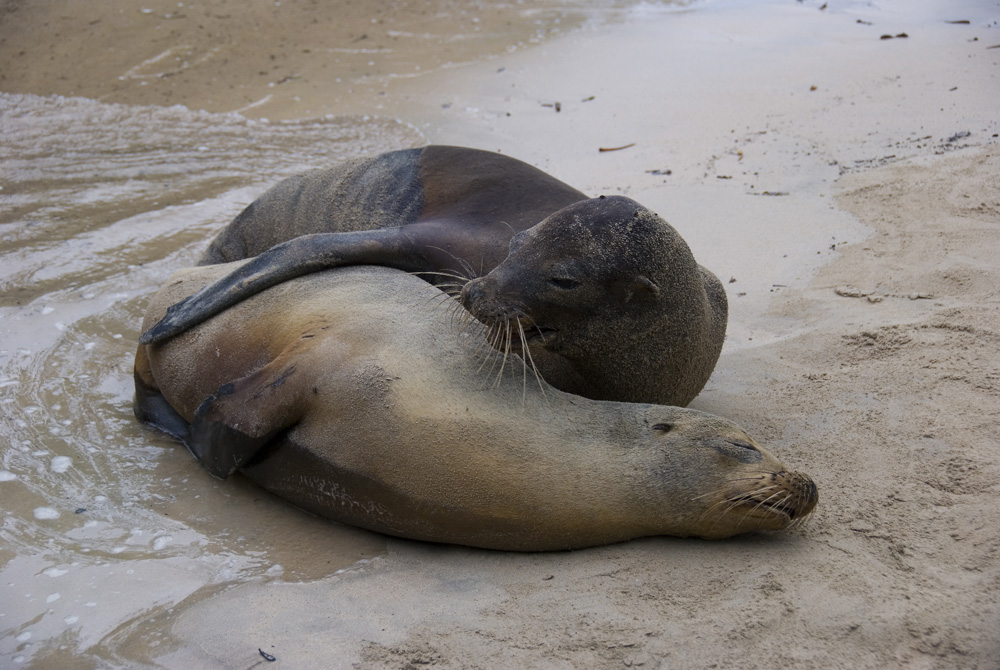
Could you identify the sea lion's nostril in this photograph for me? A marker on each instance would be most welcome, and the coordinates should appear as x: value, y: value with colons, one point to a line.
x: 472, y: 293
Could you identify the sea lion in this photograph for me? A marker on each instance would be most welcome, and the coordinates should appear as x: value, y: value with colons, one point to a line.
x: 605, y: 295
x: 344, y: 393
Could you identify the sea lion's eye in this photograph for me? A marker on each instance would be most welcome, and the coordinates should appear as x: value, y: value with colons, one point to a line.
x: 564, y: 282
x: 743, y: 452
x: 663, y: 427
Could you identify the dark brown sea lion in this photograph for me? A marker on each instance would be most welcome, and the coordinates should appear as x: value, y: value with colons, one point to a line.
x: 605, y: 295
x: 344, y: 393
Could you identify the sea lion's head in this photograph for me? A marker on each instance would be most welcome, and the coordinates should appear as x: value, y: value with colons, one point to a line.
x: 716, y: 480
x: 600, y: 276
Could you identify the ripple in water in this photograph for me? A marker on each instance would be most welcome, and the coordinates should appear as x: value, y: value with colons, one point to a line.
x: 107, y: 524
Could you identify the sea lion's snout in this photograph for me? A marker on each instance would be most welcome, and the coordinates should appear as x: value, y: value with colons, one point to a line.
x: 479, y: 297
x: 511, y: 327
x: 793, y: 494
x: 805, y: 495
x: 484, y: 300
x: 472, y: 294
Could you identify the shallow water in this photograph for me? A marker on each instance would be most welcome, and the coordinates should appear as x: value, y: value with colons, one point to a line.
x: 106, y: 523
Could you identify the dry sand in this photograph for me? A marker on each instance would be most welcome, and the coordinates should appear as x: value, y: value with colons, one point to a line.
x: 848, y: 189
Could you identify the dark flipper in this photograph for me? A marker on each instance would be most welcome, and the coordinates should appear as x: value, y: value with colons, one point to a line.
x: 294, y: 258
x: 221, y: 448
x: 236, y: 424
x: 152, y: 408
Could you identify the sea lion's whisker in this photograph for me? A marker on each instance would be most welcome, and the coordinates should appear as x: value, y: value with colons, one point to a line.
x: 470, y: 327
x: 497, y: 333
x: 735, y: 479
x: 449, y: 308
x: 731, y: 502
x: 705, y: 495
x: 782, y: 505
x: 500, y: 334
x: 765, y: 504
x: 527, y: 359
x: 438, y: 298
x: 453, y: 291
x: 487, y: 343
x: 490, y: 342
x: 735, y: 504
x: 468, y: 322
x: 472, y: 273
x: 723, y: 489
x: 748, y: 512
x: 462, y: 280
x: 530, y: 359
x: 506, y: 353
x: 524, y: 366
x: 461, y: 261
x: 801, y: 522
x: 480, y: 352
x: 495, y: 336
x: 439, y: 273
x: 749, y: 495
x: 713, y: 507
x: 462, y: 323
x: 719, y: 514
x: 534, y: 325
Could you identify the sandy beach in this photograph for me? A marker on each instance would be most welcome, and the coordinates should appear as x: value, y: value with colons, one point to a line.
x: 836, y: 164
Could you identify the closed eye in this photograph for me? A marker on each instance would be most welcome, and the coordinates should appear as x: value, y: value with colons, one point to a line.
x: 743, y: 445
x: 739, y: 449
x: 564, y: 283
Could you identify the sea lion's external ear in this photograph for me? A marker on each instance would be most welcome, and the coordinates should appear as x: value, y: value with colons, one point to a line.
x: 644, y: 284
x: 639, y: 287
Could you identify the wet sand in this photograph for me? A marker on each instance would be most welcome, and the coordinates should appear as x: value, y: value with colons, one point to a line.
x: 846, y: 188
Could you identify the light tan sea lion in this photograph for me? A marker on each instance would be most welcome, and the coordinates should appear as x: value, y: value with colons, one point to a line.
x: 344, y: 393
x: 618, y: 308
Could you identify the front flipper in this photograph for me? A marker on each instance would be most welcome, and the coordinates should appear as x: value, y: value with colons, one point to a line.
x: 294, y: 258
x: 236, y: 424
